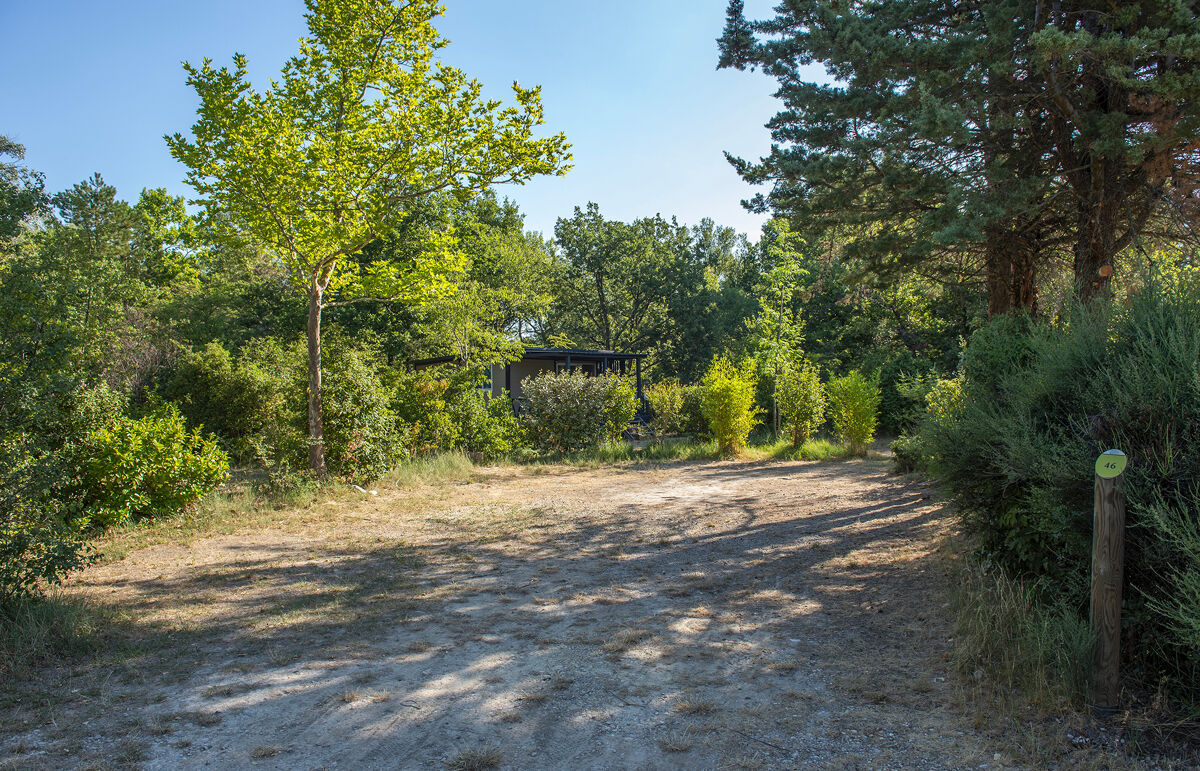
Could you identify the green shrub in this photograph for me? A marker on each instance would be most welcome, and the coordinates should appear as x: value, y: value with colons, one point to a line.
x: 666, y: 407
x: 240, y: 399
x: 1017, y: 449
x: 41, y: 540
x: 42, y: 533
x: 565, y: 412
x: 728, y: 403
x: 691, y: 413
x: 854, y: 409
x: 942, y: 398
x: 801, y: 400
x: 420, y: 404
x: 272, y: 429
x: 148, y: 467
x: 362, y: 437
x: 906, y: 453
x: 487, y: 428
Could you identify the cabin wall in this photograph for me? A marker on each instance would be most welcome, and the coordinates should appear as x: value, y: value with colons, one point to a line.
x: 520, y: 371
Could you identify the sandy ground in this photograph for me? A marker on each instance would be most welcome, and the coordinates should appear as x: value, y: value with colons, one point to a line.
x: 693, y: 616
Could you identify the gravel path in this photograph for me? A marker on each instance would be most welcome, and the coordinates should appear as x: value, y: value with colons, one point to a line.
x: 693, y: 616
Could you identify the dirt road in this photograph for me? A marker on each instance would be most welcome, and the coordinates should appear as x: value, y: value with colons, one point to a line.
x: 693, y: 616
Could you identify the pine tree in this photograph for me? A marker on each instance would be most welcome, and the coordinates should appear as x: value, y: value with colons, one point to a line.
x: 1000, y: 133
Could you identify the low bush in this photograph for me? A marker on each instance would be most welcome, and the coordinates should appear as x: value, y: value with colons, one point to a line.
x: 666, y: 407
x: 273, y: 430
x: 42, y: 504
x: 728, y: 403
x: 854, y: 409
x: 362, y: 437
x: 41, y: 539
x: 691, y: 413
x: 565, y: 412
x: 147, y: 467
x: 486, y: 428
x: 420, y: 404
x: 801, y: 400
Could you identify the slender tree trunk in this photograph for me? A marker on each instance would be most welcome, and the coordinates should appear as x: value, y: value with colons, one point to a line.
x: 316, y: 431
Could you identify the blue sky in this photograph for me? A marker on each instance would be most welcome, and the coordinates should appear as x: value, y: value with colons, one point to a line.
x: 90, y: 86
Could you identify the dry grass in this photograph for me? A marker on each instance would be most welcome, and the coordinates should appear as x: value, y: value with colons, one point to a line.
x: 624, y: 640
x: 476, y: 759
x: 693, y: 707
x: 675, y: 742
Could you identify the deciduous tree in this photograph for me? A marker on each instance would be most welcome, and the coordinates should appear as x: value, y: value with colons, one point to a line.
x: 362, y: 123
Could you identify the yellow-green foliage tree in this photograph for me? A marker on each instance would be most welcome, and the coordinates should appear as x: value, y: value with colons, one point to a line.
x: 728, y: 403
x: 801, y: 399
x: 854, y: 409
x: 362, y: 124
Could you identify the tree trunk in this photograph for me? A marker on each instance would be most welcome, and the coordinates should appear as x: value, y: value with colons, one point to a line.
x: 316, y: 431
x: 1095, y: 245
x: 1011, y: 272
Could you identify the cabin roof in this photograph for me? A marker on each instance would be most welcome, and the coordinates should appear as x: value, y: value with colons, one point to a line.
x: 544, y: 353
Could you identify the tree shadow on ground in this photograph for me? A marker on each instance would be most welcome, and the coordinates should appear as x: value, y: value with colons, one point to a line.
x: 565, y: 636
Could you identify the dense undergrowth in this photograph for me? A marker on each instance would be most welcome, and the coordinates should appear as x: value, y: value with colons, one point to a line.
x: 1014, y: 439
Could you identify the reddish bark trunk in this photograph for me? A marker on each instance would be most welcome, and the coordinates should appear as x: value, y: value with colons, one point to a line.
x: 1011, y: 273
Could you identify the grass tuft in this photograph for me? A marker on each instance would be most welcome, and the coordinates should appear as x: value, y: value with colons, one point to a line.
x: 475, y: 759
x: 1009, y: 635
x: 813, y: 449
x: 444, y: 468
x: 48, y: 629
x: 695, y: 707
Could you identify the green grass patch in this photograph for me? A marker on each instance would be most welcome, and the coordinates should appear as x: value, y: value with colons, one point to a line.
x: 444, y: 468
x: 46, y: 630
x: 813, y: 449
x: 623, y: 452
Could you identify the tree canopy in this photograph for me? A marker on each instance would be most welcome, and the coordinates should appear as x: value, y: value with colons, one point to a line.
x: 363, y: 123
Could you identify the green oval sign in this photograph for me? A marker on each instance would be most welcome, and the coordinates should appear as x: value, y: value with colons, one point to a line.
x: 1111, y: 463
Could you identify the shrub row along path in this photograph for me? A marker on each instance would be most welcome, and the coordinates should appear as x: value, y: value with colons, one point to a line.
x: 692, y: 615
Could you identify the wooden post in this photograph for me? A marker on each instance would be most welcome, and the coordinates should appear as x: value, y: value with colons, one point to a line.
x: 1108, y: 569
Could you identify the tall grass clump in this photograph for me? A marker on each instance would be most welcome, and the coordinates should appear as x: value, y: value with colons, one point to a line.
x: 1016, y: 445
x: 1021, y: 637
x: 443, y: 468
x: 44, y: 630
x: 729, y: 404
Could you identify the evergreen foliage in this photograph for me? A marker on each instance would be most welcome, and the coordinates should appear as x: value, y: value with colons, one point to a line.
x: 1016, y: 441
